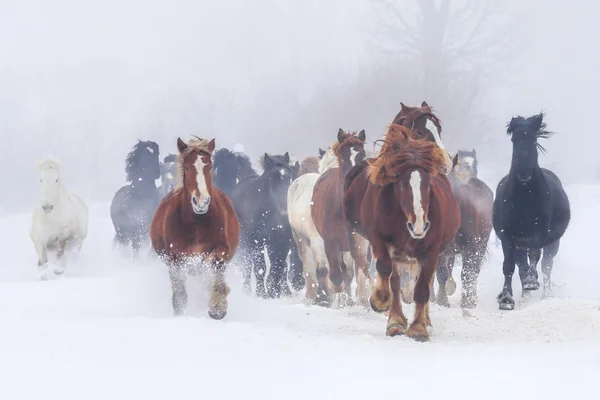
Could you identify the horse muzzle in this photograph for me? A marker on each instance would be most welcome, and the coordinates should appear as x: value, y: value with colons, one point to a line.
x: 417, y: 233
x: 200, y: 206
x: 47, y: 208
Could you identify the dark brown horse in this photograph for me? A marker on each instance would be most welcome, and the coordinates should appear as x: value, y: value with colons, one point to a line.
x: 329, y: 221
x: 309, y: 165
x: 196, y: 225
x: 403, y: 204
x: 475, y: 201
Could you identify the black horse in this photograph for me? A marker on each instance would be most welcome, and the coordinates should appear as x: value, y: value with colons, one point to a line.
x: 261, y: 205
x: 168, y: 175
x: 134, y: 205
x: 229, y: 168
x: 531, y: 211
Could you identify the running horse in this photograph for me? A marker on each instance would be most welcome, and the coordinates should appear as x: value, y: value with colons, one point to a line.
x: 425, y: 125
x: 402, y: 202
x: 475, y: 201
x: 196, y: 225
x: 327, y: 215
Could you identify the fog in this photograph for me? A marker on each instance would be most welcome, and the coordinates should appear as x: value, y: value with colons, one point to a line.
x: 81, y: 81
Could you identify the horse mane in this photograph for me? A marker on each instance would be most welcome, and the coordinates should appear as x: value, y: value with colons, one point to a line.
x: 413, y: 113
x: 349, y: 137
x: 195, y: 144
x: 539, y: 131
x: 49, y: 162
x: 170, y: 158
x: 277, y: 158
x: 399, y: 151
x: 328, y: 161
x: 220, y: 155
x: 131, y: 162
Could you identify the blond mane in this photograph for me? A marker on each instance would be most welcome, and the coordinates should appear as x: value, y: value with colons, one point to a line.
x: 195, y: 144
x: 328, y: 161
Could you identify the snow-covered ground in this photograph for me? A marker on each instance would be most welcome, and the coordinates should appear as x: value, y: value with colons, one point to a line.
x: 105, y: 330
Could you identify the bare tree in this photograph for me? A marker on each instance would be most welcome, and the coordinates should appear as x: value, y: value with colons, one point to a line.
x: 457, y: 49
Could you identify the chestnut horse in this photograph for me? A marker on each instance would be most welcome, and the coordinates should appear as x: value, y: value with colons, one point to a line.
x: 475, y: 201
x: 329, y: 220
x: 403, y: 204
x: 196, y: 224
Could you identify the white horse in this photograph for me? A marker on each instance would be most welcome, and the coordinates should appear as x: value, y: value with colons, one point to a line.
x: 310, y: 245
x: 60, y: 219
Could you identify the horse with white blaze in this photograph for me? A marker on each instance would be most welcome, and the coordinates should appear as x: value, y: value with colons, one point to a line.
x: 60, y: 219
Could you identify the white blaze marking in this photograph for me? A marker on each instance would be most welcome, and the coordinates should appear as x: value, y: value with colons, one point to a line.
x: 150, y: 149
x: 169, y: 175
x: 282, y: 172
x: 415, y: 184
x: 353, y: 154
x: 200, y: 179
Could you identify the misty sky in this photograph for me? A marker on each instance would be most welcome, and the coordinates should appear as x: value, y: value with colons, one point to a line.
x: 81, y: 80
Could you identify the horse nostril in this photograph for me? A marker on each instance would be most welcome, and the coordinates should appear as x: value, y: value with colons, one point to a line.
x: 410, y: 227
x: 195, y: 201
x: 426, y: 226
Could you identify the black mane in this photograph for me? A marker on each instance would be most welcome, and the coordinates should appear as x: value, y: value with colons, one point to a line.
x: 519, y: 126
x: 137, y: 166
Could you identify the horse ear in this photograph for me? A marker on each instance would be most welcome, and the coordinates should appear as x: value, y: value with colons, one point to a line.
x: 268, y: 159
x: 537, y: 122
x: 424, y: 104
x: 286, y: 157
x: 455, y: 160
x: 362, y: 135
x: 296, y: 169
x: 474, y: 152
x: 181, y: 146
x: 211, y: 145
x: 403, y: 106
x: 340, y: 136
x: 321, y: 152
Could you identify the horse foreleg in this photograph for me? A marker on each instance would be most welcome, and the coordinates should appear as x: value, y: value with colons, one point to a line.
x: 277, y: 284
x: 450, y: 283
x: 380, y: 295
x: 442, y: 277
x: 180, y: 297
x: 472, y: 261
x: 296, y: 271
x: 528, y: 269
x: 308, y: 268
x: 217, y: 304
x: 359, y: 248
x: 317, y: 248
x: 549, y: 253
x: 42, y: 254
x: 418, y: 328
x: 336, y: 278
x: 397, y: 323
x: 505, y: 298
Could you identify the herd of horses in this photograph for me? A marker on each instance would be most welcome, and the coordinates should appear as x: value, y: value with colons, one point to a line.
x: 325, y: 222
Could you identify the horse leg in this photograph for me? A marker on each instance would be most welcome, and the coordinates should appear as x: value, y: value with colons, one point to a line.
x: 410, y: 273
x: 418, y: 328
x: 346, y: 266
x: 217, y: 304
x: 277, y: 285
x: 397, y: 322
x: 442, y: 277
x: 472, y: 260
x: 380, y: 298
x: 336, y: 277
x: 42, y: 254
x: 296, y: 272
x: 317, y: 248
x: 308, y: 268
x: 180, y: 297
x: 451, y: 283
x: 60, y: 255
x: 359, y: 248
x: 550, y: 251
x: 528, y: 274
x: 257, y: 255
x: 505, y: 298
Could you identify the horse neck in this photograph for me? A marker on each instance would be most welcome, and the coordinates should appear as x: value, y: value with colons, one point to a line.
x: 143, y: 182
x: 343, y: 168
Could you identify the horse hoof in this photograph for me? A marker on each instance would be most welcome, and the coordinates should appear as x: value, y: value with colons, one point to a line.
x: 419, y: 335
x: 298, y: 284
x: 506, y: 302
x: 450, y: 286
x: 374, y: 307
x: 531, y: 285
x: 395, y: 330
x: 217, y: 314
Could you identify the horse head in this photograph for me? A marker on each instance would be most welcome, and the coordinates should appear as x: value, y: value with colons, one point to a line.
x: 408, y: 165
x: 168, y: 172
x: 349, y: 149
x: 195, y: 164
x: 525, y: 133
x: 142, y: 163
x: 425, y: 124
x: 280, y: 172
x: 50, y: 182
x: 464, y: 165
